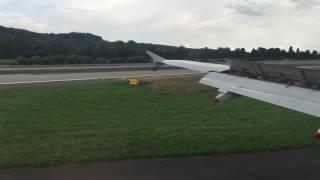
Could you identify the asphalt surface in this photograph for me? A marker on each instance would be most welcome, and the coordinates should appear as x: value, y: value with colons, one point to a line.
x: 75, y: 69
x: 50, y: 74
x: 315, y: 62
x: 14, y: 79
x: 310, y: 67
x: 293, y: 165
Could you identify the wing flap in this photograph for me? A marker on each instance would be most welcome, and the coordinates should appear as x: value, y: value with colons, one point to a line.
x: 295, y: 98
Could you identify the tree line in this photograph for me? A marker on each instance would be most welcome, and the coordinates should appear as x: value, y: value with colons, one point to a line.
x: 83, y: 48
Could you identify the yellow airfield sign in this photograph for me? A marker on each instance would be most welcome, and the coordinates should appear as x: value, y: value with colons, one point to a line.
x: 133, y: 82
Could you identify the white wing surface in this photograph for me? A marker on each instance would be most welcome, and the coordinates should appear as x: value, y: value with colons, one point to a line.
x: 295, y: 98
x: 192, y: 65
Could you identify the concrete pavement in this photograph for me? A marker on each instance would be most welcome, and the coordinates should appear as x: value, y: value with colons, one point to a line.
x: 293, y: 165
x: 14, y: 79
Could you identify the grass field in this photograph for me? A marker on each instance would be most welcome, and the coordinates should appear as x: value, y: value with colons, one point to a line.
x: 61, y: 124
x: 7, y: 61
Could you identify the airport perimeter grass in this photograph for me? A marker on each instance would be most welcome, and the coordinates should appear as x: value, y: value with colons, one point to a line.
x: 62, y: 124
x: 7, y: 61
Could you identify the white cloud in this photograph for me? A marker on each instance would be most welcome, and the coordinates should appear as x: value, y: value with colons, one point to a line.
x: 213, y: 23
x: 22, y: 21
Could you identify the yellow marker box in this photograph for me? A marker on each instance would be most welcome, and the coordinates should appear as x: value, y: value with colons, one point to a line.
x: 134, y: 82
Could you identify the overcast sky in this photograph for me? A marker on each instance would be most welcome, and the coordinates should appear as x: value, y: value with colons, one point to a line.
x: 193, y: 23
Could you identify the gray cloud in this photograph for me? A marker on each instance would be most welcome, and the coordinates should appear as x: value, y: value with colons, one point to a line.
x: 249, y: 7
x: 306, y: 3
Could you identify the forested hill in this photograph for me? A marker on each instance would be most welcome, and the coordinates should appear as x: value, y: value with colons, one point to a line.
x: 39, y: 48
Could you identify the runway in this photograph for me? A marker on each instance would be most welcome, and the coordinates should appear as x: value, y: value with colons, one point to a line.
x: 15, y: 79
x: 293, y: 165
x: 49, y: 74
x: 40, y: 69
x: 55, y: 74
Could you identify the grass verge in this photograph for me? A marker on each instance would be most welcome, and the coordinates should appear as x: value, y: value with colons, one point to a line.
x: 7, y: 62
x: 53, y: 125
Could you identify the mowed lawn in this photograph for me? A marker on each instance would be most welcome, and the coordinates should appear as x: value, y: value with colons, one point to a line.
x: 62, y: 124
x: 7, y: 61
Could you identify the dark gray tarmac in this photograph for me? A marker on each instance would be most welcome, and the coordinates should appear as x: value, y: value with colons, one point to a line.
x: 75, y: 69
x: 43, y: 69
x: 292, y: 165
x: 53, y: 74
x: 16, y: 79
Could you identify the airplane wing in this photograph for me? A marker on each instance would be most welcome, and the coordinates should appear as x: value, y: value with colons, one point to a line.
x: 295, y: 98
x: 302, y: 99
x: 192, y: 65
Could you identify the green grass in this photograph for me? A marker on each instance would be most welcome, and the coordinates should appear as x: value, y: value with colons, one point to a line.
x: 7, y: 61
x: 53, y: 125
